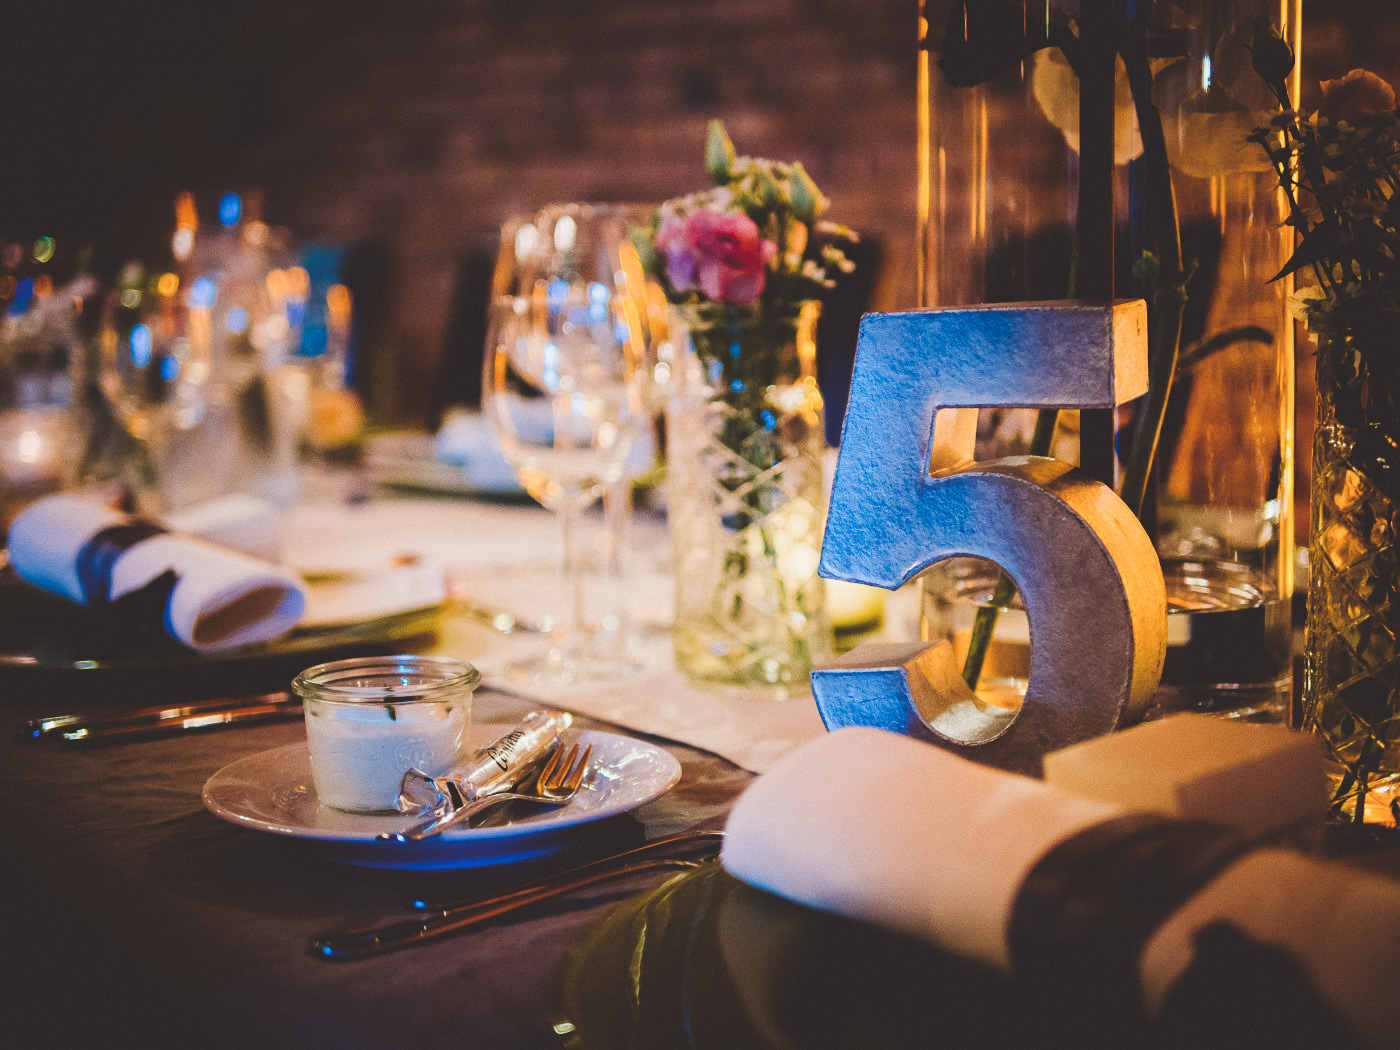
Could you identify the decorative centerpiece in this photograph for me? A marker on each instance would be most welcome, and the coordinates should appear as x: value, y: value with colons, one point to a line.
x: 1030, y: 130
x: 742, y: 265
x: 1339, y: 169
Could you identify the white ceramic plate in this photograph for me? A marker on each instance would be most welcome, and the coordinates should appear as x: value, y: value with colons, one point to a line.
x: 334, y: 599
x: 272, y: 791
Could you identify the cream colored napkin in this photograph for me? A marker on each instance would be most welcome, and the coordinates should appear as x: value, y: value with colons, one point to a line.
x: 886, y: 829
x: 753, y: 734
x: 221, y: 599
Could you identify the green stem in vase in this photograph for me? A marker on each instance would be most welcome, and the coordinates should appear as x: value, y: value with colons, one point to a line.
x: 1162, y: 267
x: 1168, y: 279
x: 745, y: 351
x: 984, y: 624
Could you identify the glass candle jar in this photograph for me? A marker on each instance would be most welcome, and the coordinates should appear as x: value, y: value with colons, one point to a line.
x: 371, y: 719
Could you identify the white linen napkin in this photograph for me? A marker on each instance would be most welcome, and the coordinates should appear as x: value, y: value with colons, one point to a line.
x: 892, y: 831
x: 77, y: 546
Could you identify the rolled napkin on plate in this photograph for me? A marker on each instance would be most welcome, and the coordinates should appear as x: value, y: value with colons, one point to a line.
x: 1086, y: 903
x: 498, y: 766
x: 79, y: 547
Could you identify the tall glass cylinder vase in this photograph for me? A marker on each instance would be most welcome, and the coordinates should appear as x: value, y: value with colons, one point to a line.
x: 746, y: 498
x: 1351, y: 668
x: 1198, y: 233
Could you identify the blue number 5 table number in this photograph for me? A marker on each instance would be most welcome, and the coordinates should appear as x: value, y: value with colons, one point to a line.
x: 908, y: 493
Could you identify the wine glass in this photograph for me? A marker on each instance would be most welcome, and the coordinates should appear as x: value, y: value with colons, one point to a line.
x: 561, y: 392
x: 156, y: 375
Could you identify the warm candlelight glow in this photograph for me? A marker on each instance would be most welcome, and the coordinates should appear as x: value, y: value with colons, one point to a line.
x: 30, y: 446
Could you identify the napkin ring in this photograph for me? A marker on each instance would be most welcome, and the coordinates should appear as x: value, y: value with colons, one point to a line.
x: 98, y: 556
x: 1086, y: 911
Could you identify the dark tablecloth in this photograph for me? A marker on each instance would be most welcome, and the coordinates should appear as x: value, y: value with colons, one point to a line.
x: 134, y: 917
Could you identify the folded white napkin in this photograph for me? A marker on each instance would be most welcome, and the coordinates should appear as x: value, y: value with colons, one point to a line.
x: 77, y: 546
x: 895, y: 832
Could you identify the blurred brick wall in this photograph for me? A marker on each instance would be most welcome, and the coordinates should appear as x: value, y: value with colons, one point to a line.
x: 410, y: 130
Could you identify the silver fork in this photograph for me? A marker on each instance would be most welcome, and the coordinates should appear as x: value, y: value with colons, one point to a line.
x: 556, y: 783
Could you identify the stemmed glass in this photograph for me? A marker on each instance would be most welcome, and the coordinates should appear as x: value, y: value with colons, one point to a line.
x: 156, y: 373
x: 561, y: 391
x: 193, y: 362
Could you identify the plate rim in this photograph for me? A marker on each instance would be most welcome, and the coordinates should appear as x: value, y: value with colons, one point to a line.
x: 454, y: 838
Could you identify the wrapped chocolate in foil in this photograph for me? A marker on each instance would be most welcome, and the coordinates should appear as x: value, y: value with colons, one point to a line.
x: 498, y: 766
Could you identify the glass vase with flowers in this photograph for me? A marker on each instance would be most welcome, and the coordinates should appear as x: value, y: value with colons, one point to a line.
x: 743, y: 265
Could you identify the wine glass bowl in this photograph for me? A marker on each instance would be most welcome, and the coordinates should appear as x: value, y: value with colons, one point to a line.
x: 156, y: 366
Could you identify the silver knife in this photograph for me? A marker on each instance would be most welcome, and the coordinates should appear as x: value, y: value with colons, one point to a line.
x: 361, y: 942
x: 73, y: 728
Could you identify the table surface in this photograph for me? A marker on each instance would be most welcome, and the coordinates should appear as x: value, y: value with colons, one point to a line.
x: 128, y: 907
x: 134, y: 916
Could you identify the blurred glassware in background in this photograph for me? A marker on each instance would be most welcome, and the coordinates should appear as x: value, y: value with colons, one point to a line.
x: 225, y: 364
x: 320, y: 313
x: 40, y: 343
x: 999, y: 164
x: 562, y: 393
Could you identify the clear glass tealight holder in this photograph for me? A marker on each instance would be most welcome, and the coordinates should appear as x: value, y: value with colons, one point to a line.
x: 371, y: 719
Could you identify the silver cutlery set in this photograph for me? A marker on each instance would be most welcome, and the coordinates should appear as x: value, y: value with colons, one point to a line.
x: 530, y: 754
x: 555, y: 784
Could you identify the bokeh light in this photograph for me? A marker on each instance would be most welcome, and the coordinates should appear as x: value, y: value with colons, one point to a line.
x: 182, y: 243
x: 338, y: 304
x: 230, y: 209
x: 140, y: 342
x: 298, y: 282
x: 203, y: 292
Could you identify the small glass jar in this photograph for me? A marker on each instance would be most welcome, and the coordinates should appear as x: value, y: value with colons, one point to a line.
x: 371, y: 719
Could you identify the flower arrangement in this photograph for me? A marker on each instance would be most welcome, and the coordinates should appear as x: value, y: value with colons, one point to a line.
x: 755, y: 237
x: 743, y: 265
x: 1340, y: 169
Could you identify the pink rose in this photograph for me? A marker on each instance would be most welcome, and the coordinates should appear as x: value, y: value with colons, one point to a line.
x: 1358, y: 95
x: 721, y: 255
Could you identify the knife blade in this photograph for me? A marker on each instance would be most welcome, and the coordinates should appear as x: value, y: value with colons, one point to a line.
x: 93, y: 734
x: 64, y: 726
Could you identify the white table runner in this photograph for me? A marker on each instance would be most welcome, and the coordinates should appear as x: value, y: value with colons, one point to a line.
x: 504, y: 555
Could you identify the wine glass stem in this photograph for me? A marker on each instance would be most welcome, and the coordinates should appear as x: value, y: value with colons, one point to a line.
x: 617, y: 515
x: 573, y: 563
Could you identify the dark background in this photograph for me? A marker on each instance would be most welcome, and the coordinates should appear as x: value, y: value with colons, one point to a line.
x: 405, y: 132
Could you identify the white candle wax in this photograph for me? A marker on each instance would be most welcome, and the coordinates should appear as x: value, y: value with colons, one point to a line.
x: 370, y: 720
x: 359, y: 753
